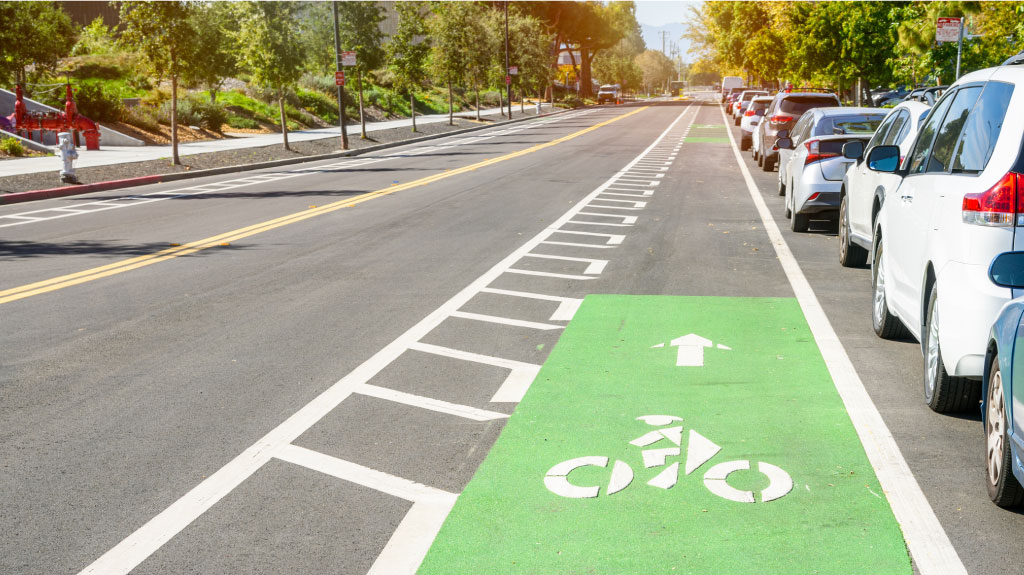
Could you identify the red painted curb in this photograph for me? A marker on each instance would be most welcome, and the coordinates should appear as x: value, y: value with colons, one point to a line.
x: 18, y: 197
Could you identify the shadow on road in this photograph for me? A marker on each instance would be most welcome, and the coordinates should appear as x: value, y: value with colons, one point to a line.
x: 15, y: 250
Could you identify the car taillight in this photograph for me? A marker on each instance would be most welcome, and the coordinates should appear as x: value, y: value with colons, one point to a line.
x: 777, y: 119
x: 999, y: 206
x: 748, y: 113
x: 814, y: 153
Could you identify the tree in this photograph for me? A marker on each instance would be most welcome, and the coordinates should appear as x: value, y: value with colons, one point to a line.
x: 530, y: 51
x: 656, y: 67
x: 451, y: 42
x: 33, y: 34
x: 618, y: 64
x: 269, y: 47
x: 162, y: 32
x: 407, y: 52
x: 214, y: 57
x: 359, y: 30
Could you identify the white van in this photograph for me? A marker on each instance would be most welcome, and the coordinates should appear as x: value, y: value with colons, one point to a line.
x: 728, y: 83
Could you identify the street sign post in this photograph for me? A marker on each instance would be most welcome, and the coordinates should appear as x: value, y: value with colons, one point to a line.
x: 348, y: 58
x: 508, y: 82
x: 339, y: 78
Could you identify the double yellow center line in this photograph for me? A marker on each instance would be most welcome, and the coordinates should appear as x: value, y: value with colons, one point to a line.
x: 122, y: 266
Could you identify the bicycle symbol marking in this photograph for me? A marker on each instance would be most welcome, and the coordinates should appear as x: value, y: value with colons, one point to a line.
x: 699, y: 450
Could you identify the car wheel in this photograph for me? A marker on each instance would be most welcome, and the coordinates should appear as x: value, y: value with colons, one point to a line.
x: 753, y: 152
x: 850, y: 254
x: 769, y: 164
x: 886, y: 325
x: 780, y: 186
x: 800, y: 222
x: 760, y: 160
x: 943, y: 392
x: 1003, y: 488
x: 736, y: 121
x: 744, y: 145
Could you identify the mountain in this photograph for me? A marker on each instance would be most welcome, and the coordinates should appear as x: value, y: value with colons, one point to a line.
x: 674, y: 33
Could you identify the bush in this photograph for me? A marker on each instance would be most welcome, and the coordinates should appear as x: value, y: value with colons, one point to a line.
x: 241, y: 122
x: 318, y: 83
x: 572, y: 101
x: 195, y: 111
x: 98, y: 103
x: 142, y: 117
x: 12, y: 147
x: 320, y: 104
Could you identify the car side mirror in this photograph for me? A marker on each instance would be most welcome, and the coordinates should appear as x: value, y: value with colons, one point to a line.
x: 884, y: 159
x: 853, y: 150
x: 784, y: 144
x: 1007, y: 270
x: 782, y: 133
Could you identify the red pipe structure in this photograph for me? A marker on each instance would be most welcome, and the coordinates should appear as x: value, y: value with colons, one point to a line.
x: 26, y: 122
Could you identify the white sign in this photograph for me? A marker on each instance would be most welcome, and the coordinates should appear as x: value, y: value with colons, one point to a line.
x: 513, y: 70
x: 691, y: 349
x: 348, y: 58
x: 947, y: 29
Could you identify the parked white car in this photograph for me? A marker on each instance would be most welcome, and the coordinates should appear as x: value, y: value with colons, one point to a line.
x: 751, y: 117
x: 959, y: 203
x: 740, y: 105
x: 863, y: 189
x: 811, y: 162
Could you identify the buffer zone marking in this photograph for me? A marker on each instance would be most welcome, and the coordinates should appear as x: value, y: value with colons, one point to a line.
x: 414, y: 535
x: 47, y: 214
x: 743, y: 423
x: 930, y: 547
x: 53, y: 284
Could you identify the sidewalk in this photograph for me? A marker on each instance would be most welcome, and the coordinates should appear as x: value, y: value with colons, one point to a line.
x: 110, y: 155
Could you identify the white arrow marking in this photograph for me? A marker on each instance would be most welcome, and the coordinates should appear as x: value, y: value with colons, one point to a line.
x: 691, y: 350
x: 698, y: 451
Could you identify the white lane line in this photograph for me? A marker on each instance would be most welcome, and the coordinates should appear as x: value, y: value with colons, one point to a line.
x: 474, y: 357
x: 505, y: 320
x: 634, y: 203
x: 515, y: 386
x: 406, y: 542
x: 620, y: 182
x: 593, y: 205
x: 576, y: 245
x: 549, y: 274
x: 600, y: 224
x: 567, y: 306
x: 30, y: 218
x: 926, y: 539
x: 613, y: 239
x: 410, y: 542
x: 428, y: 403
x: 594, y: 267
x: 625, y: 219
x: 646, y: 194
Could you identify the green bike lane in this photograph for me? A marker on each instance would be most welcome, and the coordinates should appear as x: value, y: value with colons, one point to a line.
x: 677, y: 434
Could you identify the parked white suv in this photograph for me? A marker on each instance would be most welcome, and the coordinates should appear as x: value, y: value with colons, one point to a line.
x: 960, y: 203
x: 862, y: 192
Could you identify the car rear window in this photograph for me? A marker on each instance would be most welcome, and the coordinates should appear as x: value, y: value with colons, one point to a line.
x: 952, y: 127
x: 834, y: 146
x: 800, y: 104
x: 759, y: 107
x: 982, y: 130
x: 851, y: 124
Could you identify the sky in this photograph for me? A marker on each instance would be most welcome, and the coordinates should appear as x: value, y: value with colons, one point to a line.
x: 661, y: 12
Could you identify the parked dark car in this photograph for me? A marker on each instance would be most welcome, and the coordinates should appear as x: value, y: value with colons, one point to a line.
x: 782, y: 114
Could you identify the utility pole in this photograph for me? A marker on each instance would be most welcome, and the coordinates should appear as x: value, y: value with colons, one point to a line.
x: 959, y: 47
x: 341, y: 88
x: 508, y: 82
x: 663, y: 34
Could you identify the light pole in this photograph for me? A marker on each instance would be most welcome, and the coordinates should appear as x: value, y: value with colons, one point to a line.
x: 341, y: 87
x: 508, y: 78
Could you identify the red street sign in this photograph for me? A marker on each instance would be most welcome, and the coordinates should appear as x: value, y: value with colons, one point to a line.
x: 947, y: 29
x: 348, y: 58
x: 508, y: 80
x: 513, y: 70
x: 339, y: 78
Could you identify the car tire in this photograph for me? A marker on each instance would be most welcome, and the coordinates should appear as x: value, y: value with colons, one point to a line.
x: 850, y: 254
x: 736, y: 121
x: 1003, y: 488
x: 769, y: 164
x: 800, y: 222
x: 753, y: 152
x: 780, y: 186
x: 744, y: 145
x: 942, y: 392
x: 885, y: 324
x: 760, y: 160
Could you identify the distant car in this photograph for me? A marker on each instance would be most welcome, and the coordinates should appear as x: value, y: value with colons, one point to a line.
x: 729, y: 83
x: 782, y: 114
x: 740, y: 105
x: 811, y: 161
x: 926, y: 95
x: 863, y: 190
x: 750, y: 118
x: 608, y: 93
x: 956, y: 207
x: 1003, y: 377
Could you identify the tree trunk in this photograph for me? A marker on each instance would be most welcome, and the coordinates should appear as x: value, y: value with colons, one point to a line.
x: 522, y: 104
x: 213, y: 95
x: 362, y: 117
x: 174, y: 120
x: 284, y: 120
x: 412, y: 109
x: 585, y: 88
x: 450, y: 111
x: 501, y: 101
x: 477, y: 88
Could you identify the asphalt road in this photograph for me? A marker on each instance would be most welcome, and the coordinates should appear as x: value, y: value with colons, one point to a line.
x: 232, y: 331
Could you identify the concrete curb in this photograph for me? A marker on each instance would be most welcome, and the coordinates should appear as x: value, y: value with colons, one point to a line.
x: 19, y: 197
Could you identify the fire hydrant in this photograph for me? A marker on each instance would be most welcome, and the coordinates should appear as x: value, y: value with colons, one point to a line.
x: 538, y: 106
x: 68, y: 155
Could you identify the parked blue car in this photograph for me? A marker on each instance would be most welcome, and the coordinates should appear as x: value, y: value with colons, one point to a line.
x: 1003, y: 388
